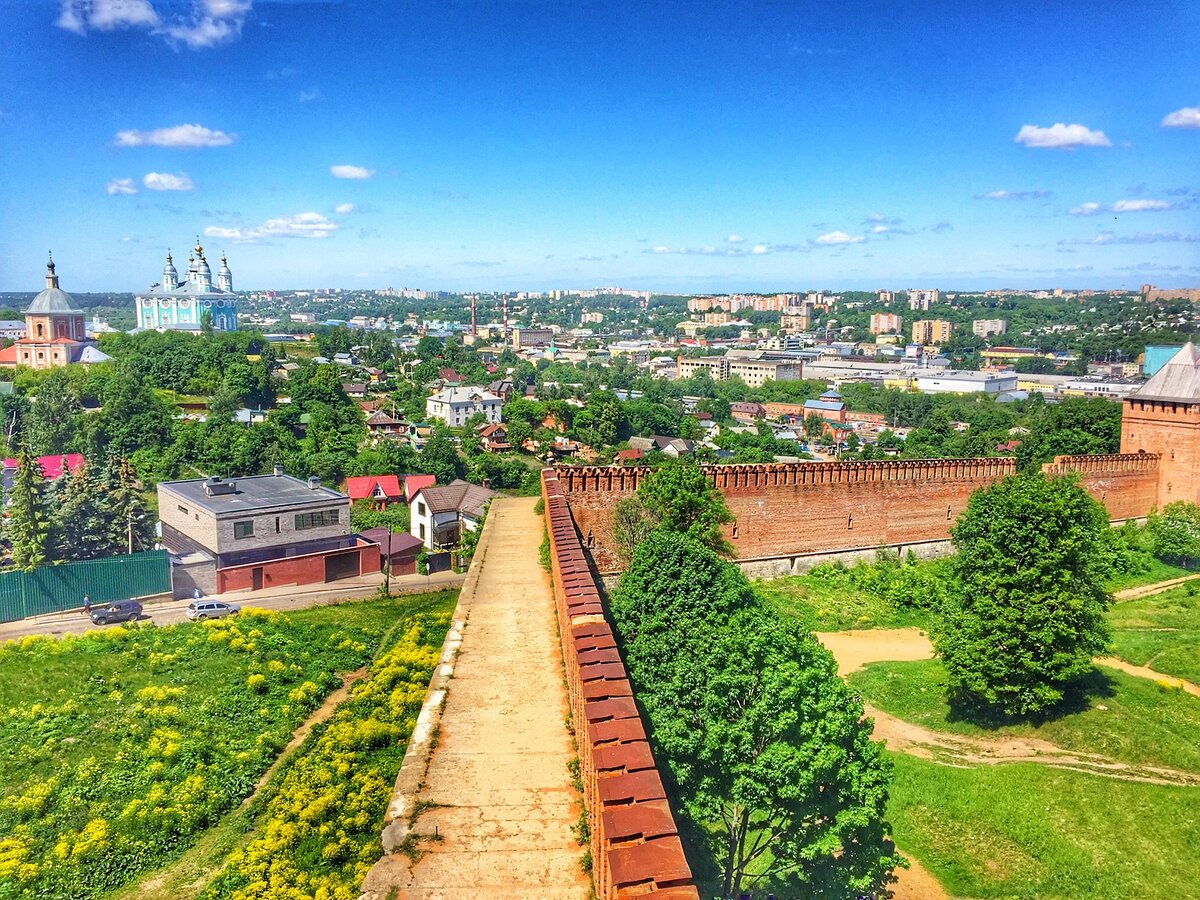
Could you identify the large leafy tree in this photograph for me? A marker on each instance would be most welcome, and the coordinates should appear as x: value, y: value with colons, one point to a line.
x: 1025, y: 613
x: 680, y: 498
x: 767, y: 745
x: 1175, y: 532
x: 439, y: 458
x: 50, y: 425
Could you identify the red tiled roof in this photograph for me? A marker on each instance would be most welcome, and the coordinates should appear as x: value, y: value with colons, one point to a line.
x: 363, y: 487
x: 414, y: 483
x: 8, y: 356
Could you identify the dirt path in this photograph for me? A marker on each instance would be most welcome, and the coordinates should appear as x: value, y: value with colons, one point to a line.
x: 917, y: 883
x: 186, y: 877
x: 854, y: 649
x: 1149, y: 590
x: 1120, y: 665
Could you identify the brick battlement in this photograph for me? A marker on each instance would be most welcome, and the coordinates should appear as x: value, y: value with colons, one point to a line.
x: 635, y: 844
x: 1109, y: 463
x: 786, y: 510
x: 625, y: 479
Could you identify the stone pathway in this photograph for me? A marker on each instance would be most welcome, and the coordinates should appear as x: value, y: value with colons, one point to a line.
x: 494, y: 814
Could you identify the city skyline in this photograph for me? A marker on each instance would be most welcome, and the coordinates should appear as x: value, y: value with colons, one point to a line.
x: 682, y: 148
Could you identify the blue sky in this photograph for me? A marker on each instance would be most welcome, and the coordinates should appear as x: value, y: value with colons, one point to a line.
x: 673, y: 146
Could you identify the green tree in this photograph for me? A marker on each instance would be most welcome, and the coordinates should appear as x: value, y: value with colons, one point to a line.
x: 1025, y: 614
x: 680, y: 498
x: 51, y: 424
x: 631, y: 523
x: 439, y: 458
x: 774, y: 763
x: 27, y: 528
x: 1175, y: 532
x: 814, y: 426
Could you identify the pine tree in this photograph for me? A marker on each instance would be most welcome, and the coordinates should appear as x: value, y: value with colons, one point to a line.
x: 27, y: 526
x: 79, y: 524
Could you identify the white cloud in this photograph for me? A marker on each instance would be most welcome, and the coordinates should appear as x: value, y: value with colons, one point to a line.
x: 1188, y: 117
x: 356, y: 172
x: 1139, y: 237
x: 759, y: 250
x: 839, y: 237
x: 308, y: 96
x: 1013, y: 195
x: 1060, y: 136
x: 661, y: 249
x: 301, y: 225
x: 735, y: 239
x: 205, y: 23
x: 879, y: 218
x: 344, y: 209
x: 120, y: 187
x: 880, y: 229
x: 165, y: 181
x: 1122, y: 206
x: 177, y: 136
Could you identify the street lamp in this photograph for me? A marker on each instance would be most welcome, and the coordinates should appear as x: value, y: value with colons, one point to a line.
x: 134, y: 515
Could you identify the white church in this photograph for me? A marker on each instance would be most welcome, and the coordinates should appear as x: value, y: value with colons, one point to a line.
x: 181, y: 305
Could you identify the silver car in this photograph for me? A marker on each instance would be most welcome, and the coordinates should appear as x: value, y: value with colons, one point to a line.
x: 210, y: 609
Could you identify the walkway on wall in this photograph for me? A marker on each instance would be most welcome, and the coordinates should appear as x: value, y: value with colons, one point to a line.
x: 492, y: 816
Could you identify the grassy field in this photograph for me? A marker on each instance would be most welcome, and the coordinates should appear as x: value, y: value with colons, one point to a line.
x: 1130, y: 719
x: 1031, y: 831
x: 120, y: 747
x: 1156, y: 571
x: 833, y: 602
x: 1162, y: 632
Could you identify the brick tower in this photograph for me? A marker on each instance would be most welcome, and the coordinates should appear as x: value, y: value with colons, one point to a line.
x: 1163, y: 417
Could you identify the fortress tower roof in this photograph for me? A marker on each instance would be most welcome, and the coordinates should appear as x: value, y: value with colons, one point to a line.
x: 1178, y: 380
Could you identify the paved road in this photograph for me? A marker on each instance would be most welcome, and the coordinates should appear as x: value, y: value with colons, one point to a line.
x: 282, y: 598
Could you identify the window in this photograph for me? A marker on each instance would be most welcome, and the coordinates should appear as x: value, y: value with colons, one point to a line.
x: 422, y: 535
x: 243, y: 529
x: 317, y: 519
x: 184, y: 510
x: 277, y: 528
x: 421, y: 508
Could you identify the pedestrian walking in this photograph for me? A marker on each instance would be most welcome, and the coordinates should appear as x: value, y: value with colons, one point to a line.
x: 87, y: 604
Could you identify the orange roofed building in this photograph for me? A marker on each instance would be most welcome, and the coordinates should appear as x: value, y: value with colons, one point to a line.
x: 54, y: 331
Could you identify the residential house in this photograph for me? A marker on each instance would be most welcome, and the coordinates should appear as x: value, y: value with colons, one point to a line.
x: 441, y: 515
x: 504, y: 389
x: 355, y: 390
x: 747, y: 412
x: 51, y: 467
x: 377, y: 490
x: 454, y: 405
x: 668, y: 446
x: 494, y: 438
x: 345, y: 359
x: 450, y: 378
x: 414, y: 483
x: 629, y: 457
x: 381, y: 424
x: 258, y: 532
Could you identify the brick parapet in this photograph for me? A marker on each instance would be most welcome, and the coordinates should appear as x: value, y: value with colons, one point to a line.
x: 635, y: 844
x: 1107, y: 463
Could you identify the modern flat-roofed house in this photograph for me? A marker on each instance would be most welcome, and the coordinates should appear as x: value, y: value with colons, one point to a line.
x: 440, y: 515
x: 261, y: 531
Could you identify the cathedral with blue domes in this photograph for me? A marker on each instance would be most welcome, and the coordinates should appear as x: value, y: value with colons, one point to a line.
x: 181, y: 305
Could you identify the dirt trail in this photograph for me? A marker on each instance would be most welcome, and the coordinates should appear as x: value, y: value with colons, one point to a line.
x: 917, y: 883
x: 187, y: 876
x: 1149, y: 590
x: 1120, y: 665
x: 854, y: 649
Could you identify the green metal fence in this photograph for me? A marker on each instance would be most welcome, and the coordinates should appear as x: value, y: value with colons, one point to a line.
x: 54, y: 588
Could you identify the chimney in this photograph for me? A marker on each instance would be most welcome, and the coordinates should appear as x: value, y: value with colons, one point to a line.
x: 313, y: 482
x: 278, y: 470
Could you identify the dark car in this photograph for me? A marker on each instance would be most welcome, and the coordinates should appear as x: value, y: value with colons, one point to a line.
x: 117, y: 611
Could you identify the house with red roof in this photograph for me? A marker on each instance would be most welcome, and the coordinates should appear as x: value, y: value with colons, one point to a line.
x: 414, y: 483
x: 51, y: 467
x: 378, y: 490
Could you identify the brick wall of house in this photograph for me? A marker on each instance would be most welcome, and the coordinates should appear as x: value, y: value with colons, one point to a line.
x: 293, y: 570
x: 796, y: 508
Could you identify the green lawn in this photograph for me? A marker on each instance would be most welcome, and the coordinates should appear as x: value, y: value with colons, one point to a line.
x: 1031, y: 831
x: 1141, y: 722
x: 133, y: 741
x: 1162, y: 632
x: 1157, y: 571
x: 834, y: 604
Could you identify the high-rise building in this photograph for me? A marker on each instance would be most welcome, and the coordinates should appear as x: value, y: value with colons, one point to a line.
x: 923, y: 299
x: 986, y: 327
x: 883, y: 323
x: 186, y: 305
x: 931, y: 331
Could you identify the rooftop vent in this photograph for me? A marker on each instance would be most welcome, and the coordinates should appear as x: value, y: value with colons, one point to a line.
x: 278, y: 470
x: 216, y: 487
x: 313, y: 482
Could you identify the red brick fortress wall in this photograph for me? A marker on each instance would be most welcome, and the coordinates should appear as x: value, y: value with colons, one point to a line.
x: 792, y: 509
x: 635, y: 845
x: 1172, y: 431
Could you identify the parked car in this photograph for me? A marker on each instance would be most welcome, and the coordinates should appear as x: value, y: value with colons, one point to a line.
x: 210, y: 609
x: 117, y: 611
